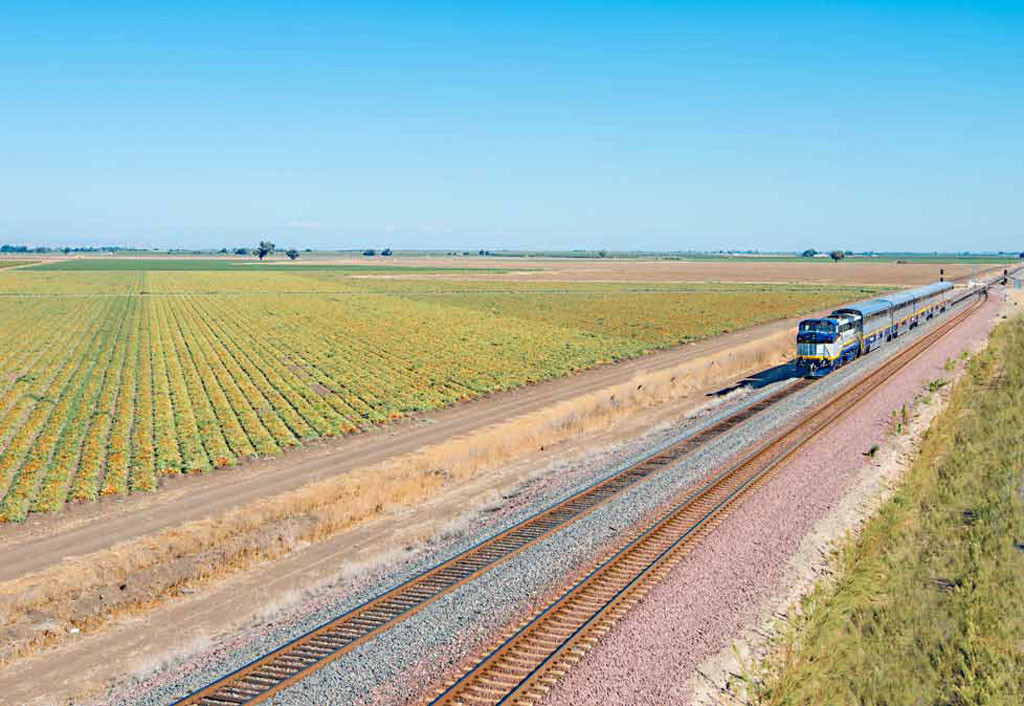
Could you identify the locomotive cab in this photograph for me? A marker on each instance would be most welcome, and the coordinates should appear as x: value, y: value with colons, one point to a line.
x: 823, y: 345
x: 815, y: 346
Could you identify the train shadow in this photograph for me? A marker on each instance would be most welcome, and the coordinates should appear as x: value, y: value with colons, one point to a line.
x: 761, y: 379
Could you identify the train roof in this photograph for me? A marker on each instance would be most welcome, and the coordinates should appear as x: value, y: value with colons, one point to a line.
x: 870, y: 307
x: 866, y: 308
x: 918, y: 293
x: 936, y: 287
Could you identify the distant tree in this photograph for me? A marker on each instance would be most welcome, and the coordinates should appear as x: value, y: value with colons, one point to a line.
x: 223, y: 251
x: 810, y: 252
x: 263, y: 249
x: 370, y: 252
x: 602, y: 253
x: 292, y: 254
x: 386, y: 252
x: 1021, y: 256
x: 241, y: 251
x: 848, y: 252
x: 66, y: 250
x: 837, y: 255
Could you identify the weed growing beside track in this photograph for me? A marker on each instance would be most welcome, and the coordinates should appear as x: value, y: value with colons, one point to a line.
x: 926, y: 605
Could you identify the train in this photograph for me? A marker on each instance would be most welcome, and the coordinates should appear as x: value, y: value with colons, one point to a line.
x: 823, y: 345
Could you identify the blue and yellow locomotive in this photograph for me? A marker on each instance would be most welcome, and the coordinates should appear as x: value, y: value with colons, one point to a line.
x: 822, y: 345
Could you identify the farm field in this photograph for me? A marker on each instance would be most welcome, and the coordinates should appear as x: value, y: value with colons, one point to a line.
x: 114, y: 379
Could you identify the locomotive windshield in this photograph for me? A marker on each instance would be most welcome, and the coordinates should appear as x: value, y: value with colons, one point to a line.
x: 816, y: 331
x: 818, y: 326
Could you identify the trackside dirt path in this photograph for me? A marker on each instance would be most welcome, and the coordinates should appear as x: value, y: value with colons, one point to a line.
x: 43, y: 541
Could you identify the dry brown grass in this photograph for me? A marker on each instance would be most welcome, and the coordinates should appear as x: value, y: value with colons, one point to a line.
x: 133, y: 577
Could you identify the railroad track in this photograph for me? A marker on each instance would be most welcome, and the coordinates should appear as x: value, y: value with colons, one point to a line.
x: 310, y: 652
x: 521, y: 668
x: 265, y: 676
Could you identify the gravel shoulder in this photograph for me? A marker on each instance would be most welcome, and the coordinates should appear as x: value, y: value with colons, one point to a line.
x: 672, y: 648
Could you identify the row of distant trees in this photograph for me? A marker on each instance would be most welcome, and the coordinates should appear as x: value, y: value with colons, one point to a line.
x: 7, y: 248
x: 265, y: 248
x: 836, y: 255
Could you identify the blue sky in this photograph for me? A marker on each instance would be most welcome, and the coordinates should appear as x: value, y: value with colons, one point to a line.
x: 640, y: 125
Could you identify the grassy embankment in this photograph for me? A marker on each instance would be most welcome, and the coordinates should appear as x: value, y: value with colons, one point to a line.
x: 928, y: 602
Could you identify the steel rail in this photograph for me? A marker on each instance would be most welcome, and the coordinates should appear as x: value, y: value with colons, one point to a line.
x: 293, y: 661
x: 520, y: 668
